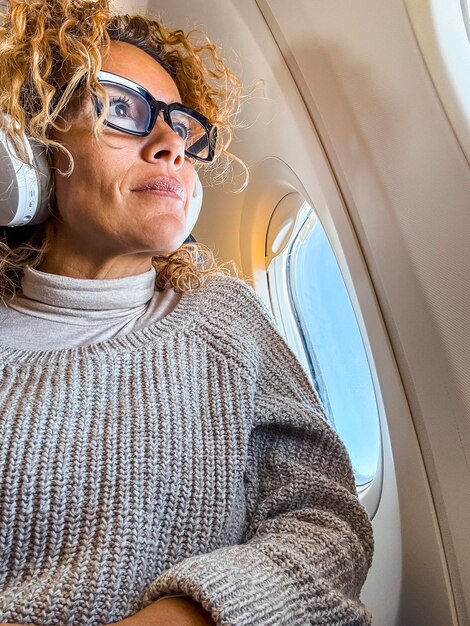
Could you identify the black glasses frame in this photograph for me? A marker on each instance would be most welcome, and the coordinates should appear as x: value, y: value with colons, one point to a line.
x: 155, y: 106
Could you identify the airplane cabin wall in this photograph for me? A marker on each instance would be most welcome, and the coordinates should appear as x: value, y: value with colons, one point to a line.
x: 406, y: 181
x: 350, y: 115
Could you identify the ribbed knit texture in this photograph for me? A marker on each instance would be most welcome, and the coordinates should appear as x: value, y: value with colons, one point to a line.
x: 191, y: 457
x: 54, y: 312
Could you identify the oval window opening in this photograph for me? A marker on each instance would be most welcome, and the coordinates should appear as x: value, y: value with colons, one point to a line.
x: 320, y: 324
x: 335, y: 350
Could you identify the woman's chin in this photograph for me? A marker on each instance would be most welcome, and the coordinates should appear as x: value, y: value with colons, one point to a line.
x: 163, y: 239
x: 167, y: 246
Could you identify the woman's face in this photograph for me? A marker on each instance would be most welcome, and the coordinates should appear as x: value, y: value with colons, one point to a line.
x: 107, y: 224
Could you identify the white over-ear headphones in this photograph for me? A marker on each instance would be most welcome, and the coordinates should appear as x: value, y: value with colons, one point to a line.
x: 194, y: 206
x: 24, y: 187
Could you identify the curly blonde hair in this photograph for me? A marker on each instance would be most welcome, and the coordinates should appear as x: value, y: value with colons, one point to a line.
x: 38, y: 39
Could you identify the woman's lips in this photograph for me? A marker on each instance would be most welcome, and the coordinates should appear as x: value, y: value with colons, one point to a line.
x: 162, y: 186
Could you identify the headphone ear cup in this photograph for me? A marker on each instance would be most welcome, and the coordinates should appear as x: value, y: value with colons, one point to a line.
x: 24, y: 187
x: 194, y: 205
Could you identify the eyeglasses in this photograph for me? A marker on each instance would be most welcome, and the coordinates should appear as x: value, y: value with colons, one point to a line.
x: 133, y: 110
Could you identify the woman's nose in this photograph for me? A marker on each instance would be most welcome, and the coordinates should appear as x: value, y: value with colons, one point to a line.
x: 163, y: 144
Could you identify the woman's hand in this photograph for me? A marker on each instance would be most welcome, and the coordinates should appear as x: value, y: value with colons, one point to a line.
x: 166, y: 612
x: 181, y: 611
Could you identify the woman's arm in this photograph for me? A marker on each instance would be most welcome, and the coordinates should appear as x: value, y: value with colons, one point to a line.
x: 308, y: 542
x: 182, y: 611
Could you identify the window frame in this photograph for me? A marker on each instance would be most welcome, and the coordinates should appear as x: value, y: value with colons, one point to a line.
x: 286, y: 317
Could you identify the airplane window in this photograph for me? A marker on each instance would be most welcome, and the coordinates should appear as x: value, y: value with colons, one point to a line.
x: 332, y: 344
x: 466, y: 16
x: 443, y: 33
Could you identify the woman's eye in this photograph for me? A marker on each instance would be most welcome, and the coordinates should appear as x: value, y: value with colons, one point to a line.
x: 120, y: 107
x: 181, y: 130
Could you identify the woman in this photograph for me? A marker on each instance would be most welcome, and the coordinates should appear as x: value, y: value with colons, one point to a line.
x: 164, y: 459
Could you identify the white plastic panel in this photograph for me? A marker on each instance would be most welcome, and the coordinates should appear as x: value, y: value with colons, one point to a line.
x: 406, y: 182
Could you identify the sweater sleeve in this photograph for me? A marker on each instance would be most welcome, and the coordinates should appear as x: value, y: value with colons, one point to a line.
x: 308, y: 542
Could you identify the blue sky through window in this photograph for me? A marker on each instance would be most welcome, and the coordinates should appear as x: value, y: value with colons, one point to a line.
x: 330, y: 327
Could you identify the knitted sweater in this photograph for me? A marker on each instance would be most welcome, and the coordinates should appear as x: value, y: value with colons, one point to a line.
x: 191, y: 456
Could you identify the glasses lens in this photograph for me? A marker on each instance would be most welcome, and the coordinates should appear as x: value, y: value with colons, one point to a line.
x: 193, y: 133
x: 127, y: 109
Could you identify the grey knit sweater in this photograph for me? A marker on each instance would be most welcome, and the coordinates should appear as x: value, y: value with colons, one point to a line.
x: 190, y: 457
